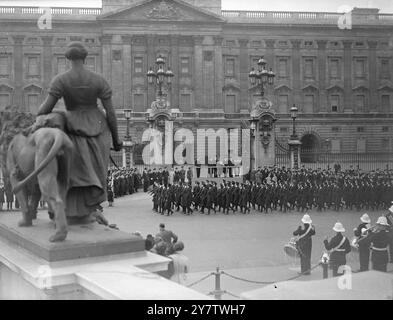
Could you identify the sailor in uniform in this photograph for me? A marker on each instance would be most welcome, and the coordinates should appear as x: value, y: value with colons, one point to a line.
x: 304, y: 243
x: 338, y: 247
x: 364, y: 249
x: 379, y: 241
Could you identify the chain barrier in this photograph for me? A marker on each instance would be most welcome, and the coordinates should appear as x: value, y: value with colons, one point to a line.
x: 200, y: 280
x: 271, y: 282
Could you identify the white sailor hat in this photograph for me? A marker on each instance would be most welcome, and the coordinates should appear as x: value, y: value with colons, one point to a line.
x: 365, y: 218
x: 338, y: 227
x: 306, y: 219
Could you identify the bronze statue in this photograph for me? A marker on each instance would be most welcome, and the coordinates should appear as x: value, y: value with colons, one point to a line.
x: 39, y: 165
x: 88, y: 128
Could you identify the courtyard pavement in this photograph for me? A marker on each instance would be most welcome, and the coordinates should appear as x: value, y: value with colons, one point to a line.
x: 249, y: 246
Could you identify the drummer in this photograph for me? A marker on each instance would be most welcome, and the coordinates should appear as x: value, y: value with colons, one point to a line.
x: 304, y: 243
x: 338, y: 247
x: 363, y: 247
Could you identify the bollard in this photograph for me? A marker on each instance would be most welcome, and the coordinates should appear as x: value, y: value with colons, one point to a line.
x: 325, y: 267
x: 217, y: 291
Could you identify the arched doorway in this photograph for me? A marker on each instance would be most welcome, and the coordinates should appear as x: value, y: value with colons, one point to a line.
x: 309, y: 148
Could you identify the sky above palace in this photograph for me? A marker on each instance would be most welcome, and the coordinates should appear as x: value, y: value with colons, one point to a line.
x: 386, y: 6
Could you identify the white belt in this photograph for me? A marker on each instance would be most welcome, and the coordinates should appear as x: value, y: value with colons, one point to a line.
x: 380, y: 249
x: 339, y: 250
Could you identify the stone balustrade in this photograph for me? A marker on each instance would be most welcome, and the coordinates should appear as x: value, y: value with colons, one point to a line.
x: 55, y: 11
x: 231, y: 15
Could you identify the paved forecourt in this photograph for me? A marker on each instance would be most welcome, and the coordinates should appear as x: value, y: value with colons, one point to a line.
x: 246, y: 245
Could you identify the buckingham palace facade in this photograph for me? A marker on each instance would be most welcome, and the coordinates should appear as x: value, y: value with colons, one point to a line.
x: 337, y: 70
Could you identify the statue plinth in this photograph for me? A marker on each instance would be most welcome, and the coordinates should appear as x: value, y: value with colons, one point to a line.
x: 83, y: 241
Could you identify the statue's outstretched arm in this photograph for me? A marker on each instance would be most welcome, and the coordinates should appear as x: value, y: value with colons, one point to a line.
x: 48, y: 105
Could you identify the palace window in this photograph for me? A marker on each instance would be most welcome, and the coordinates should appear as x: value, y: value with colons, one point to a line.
x: 61, y: 65
x: 309, y: 68
x: 138, y: 65
x: 230, y: 103
x: 308, y: 44
x: 283, y: 102
x: 334, y: 69
x: 360, y: 68
x: 385, y: 69
x: 360, y: 129
x: 256, y: 43
x: 4, y: 66
x: 185, y: 65
x: 91, y: 63
x: 185, y: 102
x: 139, y: 102
x: 230, y: 67
x: 309, y: 103
x: 283, y: 68
x: 385, y: 103
x: 33, y: 66
x: 334, y: 102
x: 230, y: 43
x: 360, y: 101
x: 116, y: 55
x: 335, y: 129
x: 284, y: 129
x: 32, y: 102
x: 385, y: 129
x: 90, y: 40
x: 4, y: 100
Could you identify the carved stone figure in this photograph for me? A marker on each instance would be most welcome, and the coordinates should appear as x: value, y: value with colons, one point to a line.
x: 39, y: 165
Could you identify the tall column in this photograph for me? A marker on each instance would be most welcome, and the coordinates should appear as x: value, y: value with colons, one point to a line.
x: 296, y: 82
x: 151, y: 62
x: 372, y: 66
x: 18, y: 70
x: 322, y: 75
x: 175, y: 68
x: 348, y: 76
x: 244, y: 70
x: 269, y: 57
x: 218, y: 72
x: 106, y: 41
x: 47, y: 60
x: 198, y: 71
x: 127, y: 63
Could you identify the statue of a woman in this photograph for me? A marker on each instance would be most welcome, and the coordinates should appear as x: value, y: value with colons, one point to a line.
x: 89, y: 128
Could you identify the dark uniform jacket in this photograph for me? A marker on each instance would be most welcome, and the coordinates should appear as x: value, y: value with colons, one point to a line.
x: 337, y: 257
x: 379, y: 242
x: 305, y: 243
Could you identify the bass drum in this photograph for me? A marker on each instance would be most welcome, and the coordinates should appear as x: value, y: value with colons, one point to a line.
x: 354, y: 245
x: 291, y: 250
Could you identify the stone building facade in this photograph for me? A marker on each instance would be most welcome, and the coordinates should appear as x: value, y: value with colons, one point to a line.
x: 336, y: 69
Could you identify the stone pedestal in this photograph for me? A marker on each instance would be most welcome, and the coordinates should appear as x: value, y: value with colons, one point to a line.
x: 294, y: 148
x: 95, y: 262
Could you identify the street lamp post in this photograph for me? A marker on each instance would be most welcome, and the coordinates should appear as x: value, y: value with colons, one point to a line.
x: 160, y: 76
x: 261, y: 77
x: 294, y: 143
x: 127, y: 160
x: 294, y: 111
